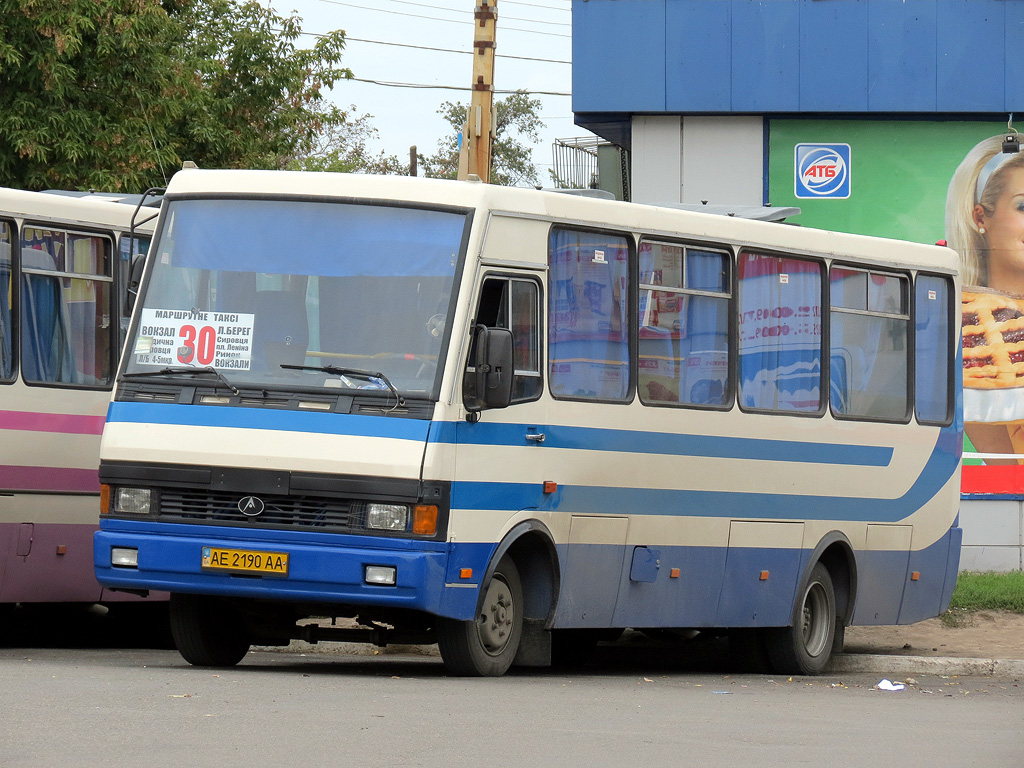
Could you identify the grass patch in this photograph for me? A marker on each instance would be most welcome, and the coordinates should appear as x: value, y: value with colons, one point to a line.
x: 986, y: 591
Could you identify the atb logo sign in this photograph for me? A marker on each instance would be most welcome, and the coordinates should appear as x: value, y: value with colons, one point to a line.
x: 823, y: 171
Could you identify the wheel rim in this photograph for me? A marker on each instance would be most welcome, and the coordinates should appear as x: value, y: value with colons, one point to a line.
x: 815, y: 619
x: 497, y: 617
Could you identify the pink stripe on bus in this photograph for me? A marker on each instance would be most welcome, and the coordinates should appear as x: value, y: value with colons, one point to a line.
x: 49, y: 479
x: 67, y: 423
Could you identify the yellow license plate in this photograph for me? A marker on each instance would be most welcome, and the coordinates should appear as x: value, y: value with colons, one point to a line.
x: 245, y: 561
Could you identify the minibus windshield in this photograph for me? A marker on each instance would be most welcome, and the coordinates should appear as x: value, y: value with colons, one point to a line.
x: 289, y: 294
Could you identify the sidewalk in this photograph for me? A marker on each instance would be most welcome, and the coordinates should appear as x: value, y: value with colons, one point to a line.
x: 982, y: 643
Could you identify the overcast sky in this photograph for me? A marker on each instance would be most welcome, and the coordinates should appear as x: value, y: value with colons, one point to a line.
x: 533, y: 36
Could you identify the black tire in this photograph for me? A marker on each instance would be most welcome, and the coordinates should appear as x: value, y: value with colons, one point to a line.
x: 486, y: 647
x: 207, y: 631
x: 806, y: 647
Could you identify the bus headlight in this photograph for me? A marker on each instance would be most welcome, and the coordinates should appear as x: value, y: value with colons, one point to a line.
x: 387, y: 517
x: 132, y: 501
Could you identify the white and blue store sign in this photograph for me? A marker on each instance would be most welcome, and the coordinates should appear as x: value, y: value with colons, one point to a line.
x: 822, y: 171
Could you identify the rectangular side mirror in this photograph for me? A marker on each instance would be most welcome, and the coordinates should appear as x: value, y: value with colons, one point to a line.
x: 493, y: 369
x: 134, y: 278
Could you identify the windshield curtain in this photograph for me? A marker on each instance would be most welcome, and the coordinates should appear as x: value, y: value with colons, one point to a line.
x: 246, y: 286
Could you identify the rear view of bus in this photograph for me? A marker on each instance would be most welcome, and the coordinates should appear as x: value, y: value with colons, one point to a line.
x: 515, y: 422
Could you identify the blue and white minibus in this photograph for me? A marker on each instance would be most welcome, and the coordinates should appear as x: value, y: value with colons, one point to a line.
x: 511, y: 421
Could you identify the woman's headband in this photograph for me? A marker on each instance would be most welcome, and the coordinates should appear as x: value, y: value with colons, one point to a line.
x: 993, y: 163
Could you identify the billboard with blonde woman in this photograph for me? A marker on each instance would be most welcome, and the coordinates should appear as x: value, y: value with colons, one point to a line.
x: 985, y: 225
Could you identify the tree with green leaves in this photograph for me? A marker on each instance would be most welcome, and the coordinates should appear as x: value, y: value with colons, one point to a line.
x: 341, y: 147
x: 115, y: 94
x: 516, y: 119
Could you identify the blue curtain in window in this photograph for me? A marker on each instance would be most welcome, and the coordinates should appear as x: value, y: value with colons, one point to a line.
x: 46, y: 354
x: 6, y: 345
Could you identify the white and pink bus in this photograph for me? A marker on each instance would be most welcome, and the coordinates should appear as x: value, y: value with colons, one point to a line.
x: 64, y: 267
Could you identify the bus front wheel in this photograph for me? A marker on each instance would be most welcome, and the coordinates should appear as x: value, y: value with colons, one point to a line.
x: 208, y: 632
x: 486, y: 646
x: 805, y: 647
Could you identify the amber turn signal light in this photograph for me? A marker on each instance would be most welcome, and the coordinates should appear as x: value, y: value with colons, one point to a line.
x: 424, y: 519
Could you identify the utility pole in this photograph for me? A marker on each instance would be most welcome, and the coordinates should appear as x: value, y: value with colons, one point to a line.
x: 475, y: 156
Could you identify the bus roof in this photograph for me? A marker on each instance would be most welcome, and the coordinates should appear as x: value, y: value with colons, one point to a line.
x: 577, y: 209
x: 86, y: 210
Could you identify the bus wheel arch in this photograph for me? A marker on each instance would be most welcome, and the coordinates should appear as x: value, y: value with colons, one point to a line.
x: 836, y: 553
x: 532, y: 547
x: 486, y: 645
x: 519, y: 588
x: 823, y: 606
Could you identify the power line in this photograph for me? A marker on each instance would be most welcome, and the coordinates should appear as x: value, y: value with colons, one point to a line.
x: 452, y: 21
x: 513, y: 18
x: 448, y: 87
x: 535, y: 5
x: 445, y: 50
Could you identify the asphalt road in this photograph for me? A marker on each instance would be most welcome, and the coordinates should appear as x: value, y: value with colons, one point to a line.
x: 141, y: 707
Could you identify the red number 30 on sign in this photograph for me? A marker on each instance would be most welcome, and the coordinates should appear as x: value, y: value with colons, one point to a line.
x: 201, y: 345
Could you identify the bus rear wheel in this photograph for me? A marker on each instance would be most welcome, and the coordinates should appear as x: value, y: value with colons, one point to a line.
x: 486, y: 646
x: 806, y: 647
x: 207, y: 631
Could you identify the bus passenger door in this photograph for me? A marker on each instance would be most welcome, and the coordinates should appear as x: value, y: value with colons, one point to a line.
x: 501, y: 452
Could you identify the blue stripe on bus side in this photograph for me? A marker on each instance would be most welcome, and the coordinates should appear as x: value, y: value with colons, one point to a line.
x: 572, y: 438
x: 260, y: 418
x: 941, y: 465
x: 630, y: 441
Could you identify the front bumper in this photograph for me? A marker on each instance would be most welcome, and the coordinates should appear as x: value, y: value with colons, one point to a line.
x: 323, y: 568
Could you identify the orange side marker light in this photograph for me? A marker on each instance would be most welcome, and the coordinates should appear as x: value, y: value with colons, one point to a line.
x: 915, y: 575
x: 465, y: 573
x: 674, y: 573
x: 550, y: 486
x: 764, y: 576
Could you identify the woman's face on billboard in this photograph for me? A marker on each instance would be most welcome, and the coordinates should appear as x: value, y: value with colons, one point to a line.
x: 1004, y: 232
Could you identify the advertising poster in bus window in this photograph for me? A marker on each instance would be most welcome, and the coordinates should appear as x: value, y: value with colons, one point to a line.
x: 940, y: 181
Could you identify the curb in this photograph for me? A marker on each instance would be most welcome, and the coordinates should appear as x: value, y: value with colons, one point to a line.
x: 924, y: 665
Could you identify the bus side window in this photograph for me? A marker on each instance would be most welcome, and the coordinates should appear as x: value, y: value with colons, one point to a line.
x: 6, y: 295
x: 513, y: 304
x: 780, y: 333
x: 934, y: 355
x: 868, y: 358
x: 683, y: 320
x: 67, y: 325
x: 588, y: 305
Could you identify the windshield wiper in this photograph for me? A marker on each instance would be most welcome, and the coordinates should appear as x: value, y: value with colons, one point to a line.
x: 186, y: 371
x: 357, y: 372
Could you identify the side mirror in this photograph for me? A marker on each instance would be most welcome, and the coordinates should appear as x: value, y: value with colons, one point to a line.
x: 493, y: 369
x: 134, y: 278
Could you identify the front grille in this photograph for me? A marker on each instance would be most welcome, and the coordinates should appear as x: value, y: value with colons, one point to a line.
x: 306, y: 512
